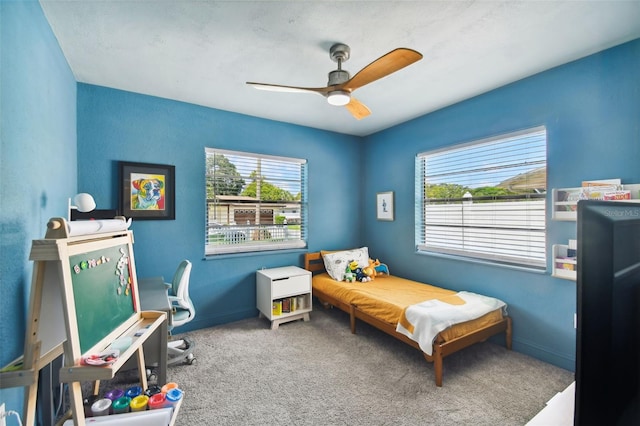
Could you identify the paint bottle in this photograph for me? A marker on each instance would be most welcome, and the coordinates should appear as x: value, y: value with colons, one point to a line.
x: 152, y: 390
x: 139, y: 403
x: 173, y: 396
x: 101, y: 407
x: 133, y: 391
x: 169, y: 386
x: 114, y: 394
x: 121, y: 405
x: 157, y: 401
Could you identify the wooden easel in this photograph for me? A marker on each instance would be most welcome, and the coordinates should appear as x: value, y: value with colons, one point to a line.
x: 54, y: 328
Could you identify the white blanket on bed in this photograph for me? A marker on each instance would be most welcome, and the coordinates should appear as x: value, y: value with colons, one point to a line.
x: 432, y: 316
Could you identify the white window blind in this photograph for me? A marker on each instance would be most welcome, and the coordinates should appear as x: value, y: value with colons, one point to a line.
x: 485, y: 199
x: 254, y: 202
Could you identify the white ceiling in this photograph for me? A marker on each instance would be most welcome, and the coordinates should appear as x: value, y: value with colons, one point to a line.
x: 203, y: 52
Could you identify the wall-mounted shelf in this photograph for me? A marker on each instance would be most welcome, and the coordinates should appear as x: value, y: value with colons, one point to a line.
x: 563, y: 265
x: 565, y: 200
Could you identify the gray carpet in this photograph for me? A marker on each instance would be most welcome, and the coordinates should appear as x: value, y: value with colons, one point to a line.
x: 318, y: 373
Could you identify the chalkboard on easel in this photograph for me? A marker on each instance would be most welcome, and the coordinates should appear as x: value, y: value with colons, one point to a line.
x: 102, y: 291
x: 83, y: 297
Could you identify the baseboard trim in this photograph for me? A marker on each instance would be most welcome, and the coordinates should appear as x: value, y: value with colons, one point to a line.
x: 228, y: 317
x: 562, y: 360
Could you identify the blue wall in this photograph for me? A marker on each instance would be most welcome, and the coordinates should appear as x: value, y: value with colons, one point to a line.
x: 121, y: 126
x: 38, y: 159
x: 591, y: 109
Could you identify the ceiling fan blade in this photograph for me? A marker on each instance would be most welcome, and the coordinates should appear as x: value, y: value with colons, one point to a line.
x: 289, y: 89
x: 382, y: 67
x: 357, y: 108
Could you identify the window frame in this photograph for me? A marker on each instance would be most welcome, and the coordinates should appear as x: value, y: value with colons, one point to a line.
x: 232, y: 238
x: 533, y: 234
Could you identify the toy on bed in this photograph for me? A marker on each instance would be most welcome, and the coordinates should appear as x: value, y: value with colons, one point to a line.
x: 379, y: 269
x: 348, y: 275
x: 354, y: 272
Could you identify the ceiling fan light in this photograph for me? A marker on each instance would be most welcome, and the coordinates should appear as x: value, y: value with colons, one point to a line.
x: 339, y: 97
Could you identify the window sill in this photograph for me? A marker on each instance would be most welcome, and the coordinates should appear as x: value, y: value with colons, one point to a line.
x: 219, y: 256
x: 459, y: 258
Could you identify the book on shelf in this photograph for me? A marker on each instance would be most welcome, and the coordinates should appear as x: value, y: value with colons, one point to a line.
x: 572, y: 248
x: 564, y: 265
x: 277, y: 307
x: 617, y: 195
x: 286, y: 305
x: 566, y: 256
x: 602, y: 189
x: 601, y: 182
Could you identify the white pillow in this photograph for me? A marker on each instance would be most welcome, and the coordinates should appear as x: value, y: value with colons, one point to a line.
x: 336, y: 263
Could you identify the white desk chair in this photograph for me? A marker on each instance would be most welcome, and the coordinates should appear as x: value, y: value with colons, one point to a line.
x: 182, y: 311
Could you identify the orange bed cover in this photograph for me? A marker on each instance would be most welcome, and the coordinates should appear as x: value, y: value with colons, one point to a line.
x: 386, y: 298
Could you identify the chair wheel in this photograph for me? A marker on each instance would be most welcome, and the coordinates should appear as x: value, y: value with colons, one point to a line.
x: 190, y: 361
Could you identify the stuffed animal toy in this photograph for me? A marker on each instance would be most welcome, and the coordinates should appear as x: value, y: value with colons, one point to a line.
x: 354, y: 272
x: 361, y: 276
x: 349, y: 272
x: 353, y: 265
x: 370, y: 270
x: 380, y: 269
x: 348, y: 275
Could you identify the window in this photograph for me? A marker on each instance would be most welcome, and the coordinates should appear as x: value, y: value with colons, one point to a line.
x: 485, y: 200
x: 254, y: 202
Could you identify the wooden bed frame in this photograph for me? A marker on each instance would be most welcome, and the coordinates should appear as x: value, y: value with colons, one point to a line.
x: 313, y: 262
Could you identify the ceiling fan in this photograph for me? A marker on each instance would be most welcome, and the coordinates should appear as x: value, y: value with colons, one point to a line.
x: 341, y: 84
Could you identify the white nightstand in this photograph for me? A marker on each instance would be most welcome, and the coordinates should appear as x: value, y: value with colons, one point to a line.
x: 283, y: 294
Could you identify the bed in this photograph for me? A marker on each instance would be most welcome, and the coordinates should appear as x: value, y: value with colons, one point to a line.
x: 392, y: 305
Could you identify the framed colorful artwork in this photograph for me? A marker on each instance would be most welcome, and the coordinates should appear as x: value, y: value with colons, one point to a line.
x: 147, y: 191
x: 384, y: 206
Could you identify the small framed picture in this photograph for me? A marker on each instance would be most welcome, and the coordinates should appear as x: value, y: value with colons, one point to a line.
x: 147, y: 191
x: 384, y: 205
